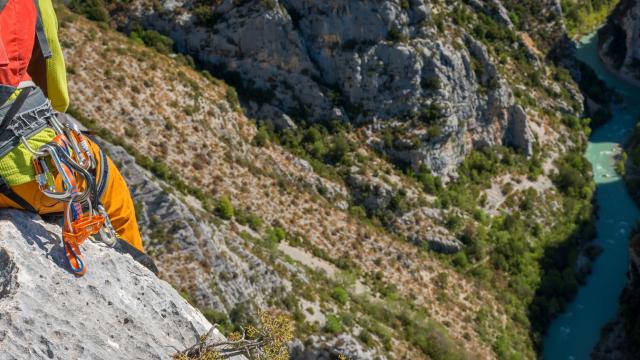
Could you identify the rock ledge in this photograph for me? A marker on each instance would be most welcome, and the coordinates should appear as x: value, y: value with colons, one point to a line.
x: 118, y: 310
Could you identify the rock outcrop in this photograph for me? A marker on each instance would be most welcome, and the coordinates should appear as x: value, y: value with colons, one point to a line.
x: 358, y: 62
x: 117, y: 310
x: 620, y: 41
x: 323, y: 348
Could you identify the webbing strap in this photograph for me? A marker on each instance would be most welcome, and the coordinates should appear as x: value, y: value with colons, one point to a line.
x: 15, y: 107
x: 40, y: 34
x: 5, y: 190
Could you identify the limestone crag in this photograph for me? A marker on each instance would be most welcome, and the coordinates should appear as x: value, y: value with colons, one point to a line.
x: 361, y: 62
x: 117, y: 309
x: 620, y: 41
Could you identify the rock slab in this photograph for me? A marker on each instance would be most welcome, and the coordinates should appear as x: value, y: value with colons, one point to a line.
x: 118, y: 310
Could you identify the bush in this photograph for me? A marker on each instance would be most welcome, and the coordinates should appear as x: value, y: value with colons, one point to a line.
x: 92, y: 9
x: 255, y: 222
x: 395, y: 35
x: 224, y: 208
x: 232, y: 98
x: 204, y: 15
x: 340, y: 295
x: 340, y: 148
x: 153, y: 39
x: 365, y: 337
x: 333, y: 324
x: 261, y: 138
x: 216, y: 317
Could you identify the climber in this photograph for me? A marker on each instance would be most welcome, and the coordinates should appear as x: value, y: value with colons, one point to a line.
x: 32, y: 69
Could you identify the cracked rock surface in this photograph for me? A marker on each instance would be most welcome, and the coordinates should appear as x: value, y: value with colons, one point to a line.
x: 118, y: 310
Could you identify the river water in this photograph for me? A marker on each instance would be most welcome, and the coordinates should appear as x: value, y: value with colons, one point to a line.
x: 575, y: 332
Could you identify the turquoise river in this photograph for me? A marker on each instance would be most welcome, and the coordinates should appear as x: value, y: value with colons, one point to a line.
x: 575, y: 332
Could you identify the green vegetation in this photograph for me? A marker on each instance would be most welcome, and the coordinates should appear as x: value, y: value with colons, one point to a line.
x: 92, y: 9
x: 153, y: 39
x: 524, y: 255
x: 224, y: 208
x: 325, y: 147
x: 528, y: 265
x: 340, y: 295
x: 583, y: 16
x: 333, y: 324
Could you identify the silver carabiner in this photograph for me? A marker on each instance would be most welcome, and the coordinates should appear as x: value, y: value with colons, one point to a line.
x: 80, y: 148
x: 108, y: 236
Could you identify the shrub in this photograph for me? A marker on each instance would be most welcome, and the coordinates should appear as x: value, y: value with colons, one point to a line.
x: 224, y: 208
x: 204, y: 15
x: 232, y: 98
x: 92, y: 9
x: 255, y: 222
x: 333, y: 324
x: 395, y: 35
x: 365, y: 337
x: 153, y: 39
x: 261, y: 138
x: 432, y: 84
x: 340, y: 148
x: 340, y: 295
x: 216, y: 317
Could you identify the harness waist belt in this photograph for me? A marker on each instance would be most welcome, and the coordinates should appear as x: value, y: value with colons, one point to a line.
x: 31, y: 118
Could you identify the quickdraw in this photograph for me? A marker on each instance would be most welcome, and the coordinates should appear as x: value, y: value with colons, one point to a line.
x: 71, y: 157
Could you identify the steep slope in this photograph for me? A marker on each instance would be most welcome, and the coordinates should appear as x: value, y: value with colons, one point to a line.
x: 107, y: 77
x: 325, y: 236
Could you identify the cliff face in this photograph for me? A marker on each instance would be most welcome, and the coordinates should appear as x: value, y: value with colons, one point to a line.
x: 620, y: 41
x: 357, y: 62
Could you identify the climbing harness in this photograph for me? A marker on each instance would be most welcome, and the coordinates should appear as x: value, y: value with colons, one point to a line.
x: 65, y: 168
x: 64, y: 171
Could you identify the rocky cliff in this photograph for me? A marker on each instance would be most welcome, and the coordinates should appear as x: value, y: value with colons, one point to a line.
x: 620, y: 41
x: 118, y: 309
x: 375, y: 63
